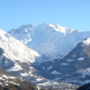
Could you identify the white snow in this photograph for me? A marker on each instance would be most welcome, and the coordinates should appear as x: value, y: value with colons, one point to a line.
x: 81, y: 59
x: 58, y: 28
x: 39, y: 79
x: 50, y: 67
x: 5, y: 76
x: 16, y: 67
x: 48, y: 83
x: 16, y: 50
x: 12, y: 77
x: 18, y: 53
x: 24, y: 74
x: 87, y: 41
x: 55, y: 72
x: 1, y: 78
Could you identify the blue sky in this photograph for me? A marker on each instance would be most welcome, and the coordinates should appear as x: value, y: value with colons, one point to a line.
x: 69, y: 13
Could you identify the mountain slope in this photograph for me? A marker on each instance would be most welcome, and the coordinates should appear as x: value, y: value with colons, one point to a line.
x: 14, y: 49
x: 25, y: 31
x: 52, y: 41
x: 73, y: 68
x: 8, y: 82
x: 17, y: 58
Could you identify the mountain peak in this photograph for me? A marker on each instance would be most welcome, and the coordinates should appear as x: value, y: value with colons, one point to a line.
x: 25, y: 28
x: 56, y: 27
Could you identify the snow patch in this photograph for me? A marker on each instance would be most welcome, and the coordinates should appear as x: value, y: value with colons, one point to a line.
x: 24, y: 74
x: 80, y: 59
x: 87, y: 41
x: 55, y: 72
x: 50, y: 67
x: 16, y: 67
x: 16, y: 50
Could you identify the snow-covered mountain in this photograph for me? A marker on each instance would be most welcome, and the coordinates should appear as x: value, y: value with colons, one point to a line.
x: 52, y: 41
x: 18, y: 58
x: 65, y: 51
x: 73, y: 68
x: 25, y: 31
x: 16, y: 50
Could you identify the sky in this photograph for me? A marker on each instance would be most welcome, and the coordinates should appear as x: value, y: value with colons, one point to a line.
x: 68, y: 13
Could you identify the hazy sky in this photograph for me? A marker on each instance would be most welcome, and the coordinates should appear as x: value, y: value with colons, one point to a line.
x: 70, y: 13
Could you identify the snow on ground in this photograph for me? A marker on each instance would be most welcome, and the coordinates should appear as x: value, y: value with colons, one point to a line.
x: 7, y: 79
x: 57, y: 85
x: 24, y: 74
x: 50, y: 67
x: 87, y: 41
x: 15, y: 49
x: 39, y: 79
x: 16, y: 67
x: 55, y: 72
x: 81, y: 59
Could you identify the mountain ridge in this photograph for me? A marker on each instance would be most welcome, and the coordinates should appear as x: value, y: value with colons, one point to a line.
x: 53, y: 40
x: 17, y: 58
